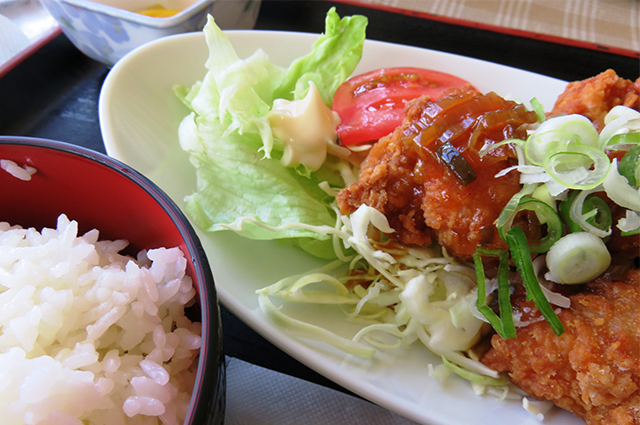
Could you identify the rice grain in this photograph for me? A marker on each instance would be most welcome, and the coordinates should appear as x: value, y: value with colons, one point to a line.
x: 91, y: 336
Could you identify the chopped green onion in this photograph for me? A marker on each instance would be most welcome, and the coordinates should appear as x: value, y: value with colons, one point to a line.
x: 629, y: 165
x: 620, y: 121
x: 546, y: 214
x: 504, y: 296
x: 630, y: 224
x: 521, y: 255
x: 621, y: 111
x: 503, y: 325
x: 594, y: 207
x: 490, y: 252
x: 619, y: 190
x: 542, y: 193
x: 586, y: 220
x: 565, y: 212
x: 602, y: 219
x: 621, y: 140
x: 580, y: 166
x: 508, y: 213
x: 538, y: 109
x: 481, y: 302
x: 488, y: 147
x: 578, y: 125
x: 578, y: 258
x: 539, y: 144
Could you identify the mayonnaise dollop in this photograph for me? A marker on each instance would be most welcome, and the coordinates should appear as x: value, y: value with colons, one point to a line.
x: 306, y: 127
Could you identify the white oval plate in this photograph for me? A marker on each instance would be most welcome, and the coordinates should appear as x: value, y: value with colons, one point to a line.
x: 139, y: 117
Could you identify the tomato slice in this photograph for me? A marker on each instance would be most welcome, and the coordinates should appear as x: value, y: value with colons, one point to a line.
x: 371, y: 105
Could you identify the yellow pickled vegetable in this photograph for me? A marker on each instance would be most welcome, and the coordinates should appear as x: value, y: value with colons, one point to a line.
x: 158, y: 11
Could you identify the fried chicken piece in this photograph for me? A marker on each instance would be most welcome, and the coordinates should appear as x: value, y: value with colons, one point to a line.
x: 593, y: 368
x: 406, y: 179
x: 595, y: 96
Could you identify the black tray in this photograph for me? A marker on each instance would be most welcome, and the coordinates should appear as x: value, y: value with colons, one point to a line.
x: 54, y: 94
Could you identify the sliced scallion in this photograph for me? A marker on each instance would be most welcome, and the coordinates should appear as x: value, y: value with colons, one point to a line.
x: 521, y: 256
x: 587, y: 217
x: 628, y: 165
x: 488, y: 147
x: 620, y: 121
x: 542, y: 193
x: 594, y: 216
x: 621, y: 111
x: 508, y: 213
x: 578, y: 258
x: 503, y: 325
x: 575, y: 124
x: 619, y: 141
x: 538, y: 109
x: 630, y: 224
x: 602, y: 219
x: 546, y: 214
x: 539, y: 144
x: 619, y: 190
x: 504, y: 296
x: 580, y: 166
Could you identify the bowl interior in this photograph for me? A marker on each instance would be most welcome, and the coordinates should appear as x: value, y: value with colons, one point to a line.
x: 137, y: 5
x: 88, y: 191
x: 100, y: 192
x: 126, y: 10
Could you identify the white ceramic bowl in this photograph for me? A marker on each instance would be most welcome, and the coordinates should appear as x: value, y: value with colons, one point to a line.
x: 106, y: 30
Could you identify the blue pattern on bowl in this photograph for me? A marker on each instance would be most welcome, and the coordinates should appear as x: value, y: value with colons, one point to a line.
x: 107, y: 38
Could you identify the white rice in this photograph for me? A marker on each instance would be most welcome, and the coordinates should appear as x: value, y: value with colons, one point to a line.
x: 89, y: 336
x: 23, y: 173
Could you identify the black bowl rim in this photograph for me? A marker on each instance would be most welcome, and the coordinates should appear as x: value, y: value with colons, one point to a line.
x: 207, y: 373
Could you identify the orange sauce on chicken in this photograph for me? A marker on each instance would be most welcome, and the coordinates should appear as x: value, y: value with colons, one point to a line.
x: 404, y: 177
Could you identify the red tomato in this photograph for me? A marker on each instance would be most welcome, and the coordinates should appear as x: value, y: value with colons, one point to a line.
x: 371, y: 105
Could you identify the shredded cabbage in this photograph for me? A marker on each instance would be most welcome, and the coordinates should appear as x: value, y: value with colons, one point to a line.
x: 401, y: 295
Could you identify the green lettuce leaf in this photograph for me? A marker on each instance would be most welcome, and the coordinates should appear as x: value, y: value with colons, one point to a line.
x: 240, y: 179
x: 334, y: 57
